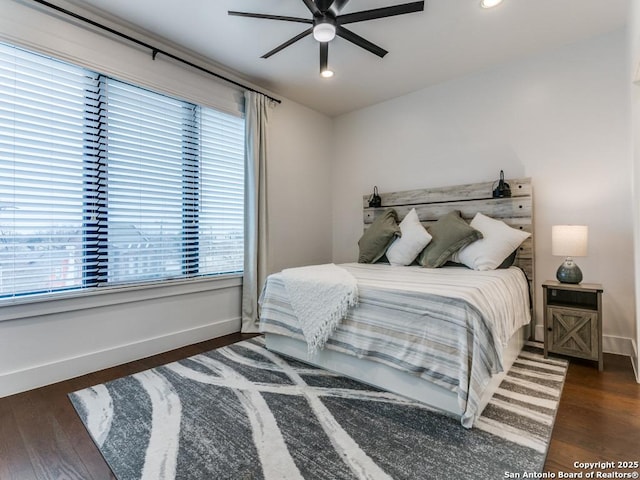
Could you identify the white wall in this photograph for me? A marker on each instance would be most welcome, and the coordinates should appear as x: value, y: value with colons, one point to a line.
x: 560, y: 118
x: 298, y: 185
x: 634, y: 72
x: 41, y: 348
x: 47, y: 342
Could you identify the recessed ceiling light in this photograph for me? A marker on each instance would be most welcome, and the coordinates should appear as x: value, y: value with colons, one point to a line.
x: 490, y: 3
x: 326, y: 73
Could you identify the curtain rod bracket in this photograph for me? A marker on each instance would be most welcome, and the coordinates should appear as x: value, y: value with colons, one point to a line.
x: 154, y: 54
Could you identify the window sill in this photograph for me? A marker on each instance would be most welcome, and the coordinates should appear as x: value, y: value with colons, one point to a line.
x: 19, y: 308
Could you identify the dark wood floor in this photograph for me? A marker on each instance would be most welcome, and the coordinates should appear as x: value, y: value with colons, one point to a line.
x: 599, y: 416
x: 41, y: 437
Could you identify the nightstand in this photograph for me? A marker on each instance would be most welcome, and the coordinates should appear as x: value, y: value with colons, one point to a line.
x: 573, y: 320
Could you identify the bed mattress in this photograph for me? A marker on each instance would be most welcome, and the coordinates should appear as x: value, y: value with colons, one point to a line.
x: 447, y: 326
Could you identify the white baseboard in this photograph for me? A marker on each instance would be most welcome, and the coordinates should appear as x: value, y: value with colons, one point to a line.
x: 538, y: 333
x: 610, y: 343
x: 617, y: 345
x: 46, y: 374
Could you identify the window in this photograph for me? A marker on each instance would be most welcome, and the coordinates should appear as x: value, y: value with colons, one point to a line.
x: 104, y: 183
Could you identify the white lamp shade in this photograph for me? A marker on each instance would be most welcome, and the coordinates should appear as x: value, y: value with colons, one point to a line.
x: 569, y: 240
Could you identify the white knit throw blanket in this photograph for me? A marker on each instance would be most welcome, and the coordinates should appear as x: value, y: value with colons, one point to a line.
x: 320, y: 296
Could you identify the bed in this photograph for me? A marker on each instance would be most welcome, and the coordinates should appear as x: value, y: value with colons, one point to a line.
x: 405, y: 334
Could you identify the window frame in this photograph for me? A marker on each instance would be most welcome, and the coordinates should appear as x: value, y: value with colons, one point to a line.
x: 27, y: 306
x: 101, y: 292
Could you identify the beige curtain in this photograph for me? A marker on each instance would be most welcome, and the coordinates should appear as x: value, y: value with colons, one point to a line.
x: 255, y: 213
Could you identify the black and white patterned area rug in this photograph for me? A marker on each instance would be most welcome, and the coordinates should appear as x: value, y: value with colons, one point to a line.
x: 242, y: 412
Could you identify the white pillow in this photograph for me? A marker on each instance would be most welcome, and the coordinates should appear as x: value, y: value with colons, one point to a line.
x: 498, y: 241
x: 414, y: 238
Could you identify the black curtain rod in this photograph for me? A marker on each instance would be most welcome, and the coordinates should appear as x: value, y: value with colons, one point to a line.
x: 154, y: 50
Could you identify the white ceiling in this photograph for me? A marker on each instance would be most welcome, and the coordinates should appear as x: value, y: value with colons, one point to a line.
x: 450, y: 38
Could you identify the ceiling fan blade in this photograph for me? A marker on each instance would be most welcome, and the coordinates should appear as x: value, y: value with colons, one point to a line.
x: 311, y: 5
x: 324, y: 56
x: 337, y: 6
x: 359, y: 41
x: 288, y: 42
x: 270, y: 17
x: 380, y: 13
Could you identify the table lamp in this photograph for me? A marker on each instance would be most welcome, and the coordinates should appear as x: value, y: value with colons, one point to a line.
x: 569, y: 241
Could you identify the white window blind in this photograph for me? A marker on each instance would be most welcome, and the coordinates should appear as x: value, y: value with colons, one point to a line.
x: 103, y: 182
x: 41, y: 173
x: 145, y: 184
x: 221, y: 232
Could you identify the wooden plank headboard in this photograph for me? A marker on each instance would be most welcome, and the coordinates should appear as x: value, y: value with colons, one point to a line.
x: 432, y: 203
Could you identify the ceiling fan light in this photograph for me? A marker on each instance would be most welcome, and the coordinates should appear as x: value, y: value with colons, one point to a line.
x: 490, y: 3
x: 326, y: 73
x: 324, y: 32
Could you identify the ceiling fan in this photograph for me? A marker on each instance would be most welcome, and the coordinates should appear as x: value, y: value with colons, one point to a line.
x: 327, y: 23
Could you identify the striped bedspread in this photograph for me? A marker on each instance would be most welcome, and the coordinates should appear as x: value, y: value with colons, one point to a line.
x: 446, y: 325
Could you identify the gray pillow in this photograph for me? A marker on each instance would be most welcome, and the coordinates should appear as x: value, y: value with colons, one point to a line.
x: 450, y: 233
x: 377, y: 238
x: 510, y: 260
